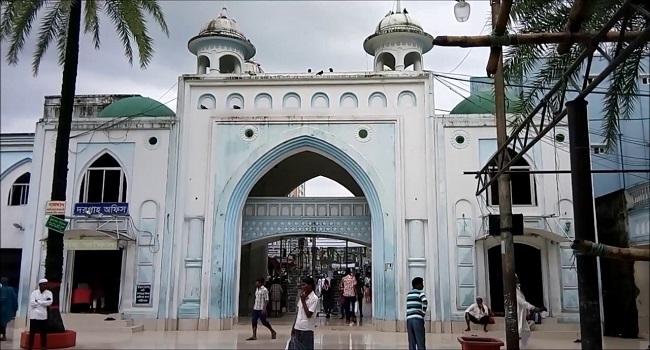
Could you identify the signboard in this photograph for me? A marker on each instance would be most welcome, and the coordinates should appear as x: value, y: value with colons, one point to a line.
x: 86, y: 244
x: 143, y: 294
x: 56, y: 224
x: 55, y: 208
x: 107, y: 209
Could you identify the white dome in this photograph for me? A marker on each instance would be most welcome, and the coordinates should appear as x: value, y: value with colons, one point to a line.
x: 223, y: 23
x: 397, y: 21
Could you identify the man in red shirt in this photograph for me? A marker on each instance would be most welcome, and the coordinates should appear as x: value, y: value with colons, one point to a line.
x: 348, y: 291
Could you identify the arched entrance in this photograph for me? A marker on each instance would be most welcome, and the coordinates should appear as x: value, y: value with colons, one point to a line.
x: 231, y: 197
x: 528, y: 266
x: 286, y: 237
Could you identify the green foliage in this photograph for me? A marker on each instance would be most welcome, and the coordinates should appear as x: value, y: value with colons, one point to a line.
x: 127, y: 16
x: 544, y: 66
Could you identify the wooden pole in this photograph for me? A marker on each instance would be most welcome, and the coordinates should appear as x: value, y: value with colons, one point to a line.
x: 505, y: 205
x: 589, y: 248
x: 499, y: 28
x: 583, y: 213
x: 576, y: 17
x: 530, y: 39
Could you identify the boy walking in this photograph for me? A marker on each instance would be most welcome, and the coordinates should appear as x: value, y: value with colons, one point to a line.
x: 259, y: 309
x: 416, y: 308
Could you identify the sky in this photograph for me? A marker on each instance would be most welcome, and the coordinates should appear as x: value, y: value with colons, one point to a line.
x: 290, y: 36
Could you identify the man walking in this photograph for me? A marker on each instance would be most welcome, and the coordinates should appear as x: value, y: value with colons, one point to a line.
x: 416, y: 308
x: 349, y: 294
x: 259, y: 309
x: 303, y: 329
x: 39, y: 301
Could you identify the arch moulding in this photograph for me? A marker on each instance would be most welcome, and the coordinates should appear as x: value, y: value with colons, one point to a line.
x: 227, y: 221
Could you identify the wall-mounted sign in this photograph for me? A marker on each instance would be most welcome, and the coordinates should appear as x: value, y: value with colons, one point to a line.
x: 143, y: 294
x: 86, y: 244
x: 56, y: 224
x: 55, y: 208
x: 107, y: 209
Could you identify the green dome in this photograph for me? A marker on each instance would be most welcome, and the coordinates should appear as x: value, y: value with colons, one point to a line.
x: 136, y: 106
x: 482, y: 102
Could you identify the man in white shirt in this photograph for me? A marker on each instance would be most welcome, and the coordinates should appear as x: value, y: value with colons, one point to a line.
x: 259, y: 309
x: 39, y: 301
x: 477, y: 313
x: 303, y: 329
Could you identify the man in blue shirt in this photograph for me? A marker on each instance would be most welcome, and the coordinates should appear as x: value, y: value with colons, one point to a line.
x: 416, y: 308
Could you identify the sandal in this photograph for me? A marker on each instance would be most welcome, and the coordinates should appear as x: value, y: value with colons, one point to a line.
x: 252, y: 338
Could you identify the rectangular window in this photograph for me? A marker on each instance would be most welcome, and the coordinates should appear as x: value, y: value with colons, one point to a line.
x: 645, y: 79
x: 598, y: 149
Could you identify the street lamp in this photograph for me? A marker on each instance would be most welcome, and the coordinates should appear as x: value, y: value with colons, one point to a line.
x: 462, y: 10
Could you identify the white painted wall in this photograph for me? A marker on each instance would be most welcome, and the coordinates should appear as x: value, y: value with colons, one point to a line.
x: 129, y: 144
x: 11, y: 236
x: 551, y: 191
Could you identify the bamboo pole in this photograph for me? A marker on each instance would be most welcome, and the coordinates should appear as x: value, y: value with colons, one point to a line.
x: 574, y: 23
x: 583, y: 247
x: 500, y: 23
x: 530, y: 39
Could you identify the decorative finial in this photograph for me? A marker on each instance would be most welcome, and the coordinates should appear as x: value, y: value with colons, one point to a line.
x: 224, y: 12
x: 398, y: 6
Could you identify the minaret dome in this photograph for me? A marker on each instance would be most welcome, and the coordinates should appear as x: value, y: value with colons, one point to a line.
x: 221, y: 47
x: 398, y: 42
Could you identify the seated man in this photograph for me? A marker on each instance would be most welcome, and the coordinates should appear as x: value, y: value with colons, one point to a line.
x: 478, y: 313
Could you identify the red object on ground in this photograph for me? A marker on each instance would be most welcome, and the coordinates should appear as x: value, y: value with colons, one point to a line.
x: 63, y: 340
x: 81, y: 296
x: 480, y: 343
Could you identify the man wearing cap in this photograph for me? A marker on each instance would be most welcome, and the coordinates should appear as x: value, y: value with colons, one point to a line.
x: 40, y: 299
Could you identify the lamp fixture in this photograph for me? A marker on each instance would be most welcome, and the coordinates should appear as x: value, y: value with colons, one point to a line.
x: 462, y: 10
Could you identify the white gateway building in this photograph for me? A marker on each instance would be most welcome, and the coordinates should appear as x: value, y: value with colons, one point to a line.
x: 175, y: 210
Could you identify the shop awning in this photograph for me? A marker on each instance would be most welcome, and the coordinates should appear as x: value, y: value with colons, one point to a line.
x: 534, y: 232
x: 87, y: 239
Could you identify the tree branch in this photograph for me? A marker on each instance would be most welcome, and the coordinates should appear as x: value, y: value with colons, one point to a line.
x: 574, y: 23
x: 588, y: 248
x: 530, y: 38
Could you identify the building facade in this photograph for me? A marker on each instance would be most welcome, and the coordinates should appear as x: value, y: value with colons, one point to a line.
x: 15, y: 175
x: 195, y: 196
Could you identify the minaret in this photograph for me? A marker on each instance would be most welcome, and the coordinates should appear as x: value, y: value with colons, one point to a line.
x: 220, y: 47
x: 398, y: 42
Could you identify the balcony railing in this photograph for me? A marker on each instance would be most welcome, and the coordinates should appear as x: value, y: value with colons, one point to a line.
x: 640, y: 194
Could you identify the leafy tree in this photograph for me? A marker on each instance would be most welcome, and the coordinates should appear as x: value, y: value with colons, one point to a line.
x: 61, y: 22
x: 543, y: 66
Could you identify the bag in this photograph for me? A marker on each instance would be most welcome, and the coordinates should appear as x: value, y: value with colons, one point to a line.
x: 293, y: 344
x: 491, y: 320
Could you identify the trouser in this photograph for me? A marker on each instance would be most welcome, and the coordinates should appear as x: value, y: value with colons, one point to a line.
x: 523, y: 339
x: 349, y: 307
x: 40, y: 327
x: 415, y: 329
x: 360, y: 301
x: 305, y: 338
x: 3, y: 329
x: 259, y: 315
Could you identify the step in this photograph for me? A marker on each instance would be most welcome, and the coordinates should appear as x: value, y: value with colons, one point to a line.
x: 129, y: 329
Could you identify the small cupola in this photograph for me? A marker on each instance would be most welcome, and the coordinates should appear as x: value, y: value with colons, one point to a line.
x: 398, y: 42
x: 221, y: 47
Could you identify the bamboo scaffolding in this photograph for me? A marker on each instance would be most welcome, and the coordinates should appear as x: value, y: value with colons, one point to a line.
x: 530, y: 39
x: 574, y: 23
x: 589, y: 248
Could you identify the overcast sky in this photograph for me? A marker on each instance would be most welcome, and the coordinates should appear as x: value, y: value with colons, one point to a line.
x: 290, y: 36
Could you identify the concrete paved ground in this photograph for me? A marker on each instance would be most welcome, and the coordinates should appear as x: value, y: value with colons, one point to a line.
x: 341, y: 338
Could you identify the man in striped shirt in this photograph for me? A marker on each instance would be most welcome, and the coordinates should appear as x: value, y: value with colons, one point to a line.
x: 416, y: 308
x: 259, y: 309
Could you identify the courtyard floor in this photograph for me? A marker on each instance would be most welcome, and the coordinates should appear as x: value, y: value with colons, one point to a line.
x: 344, y: 338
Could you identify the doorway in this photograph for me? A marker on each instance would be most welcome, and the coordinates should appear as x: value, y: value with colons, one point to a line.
x: 96, y: 281
x: 528, y: 267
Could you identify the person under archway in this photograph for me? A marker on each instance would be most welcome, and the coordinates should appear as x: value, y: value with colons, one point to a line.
x: 259, y: 309
x: 477, y: 313
x: 349, y: 294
